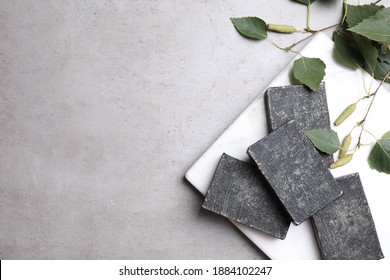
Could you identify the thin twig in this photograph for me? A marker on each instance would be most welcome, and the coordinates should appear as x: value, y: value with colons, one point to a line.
x: 376, y: 2
x: 313, y: 33
x: 363, y: 122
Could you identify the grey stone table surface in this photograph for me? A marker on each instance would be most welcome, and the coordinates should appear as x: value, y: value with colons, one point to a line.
x: 103, y: 107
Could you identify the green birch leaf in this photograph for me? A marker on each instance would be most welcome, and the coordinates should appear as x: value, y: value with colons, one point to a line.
x: 369, y: 52
x: 376, y: 27
x: 385, y: 47
x: 379, y: 158
x: 325, y: 140
x: 252, y: 27
x: 306, y: 2
x: 309, y: 71
x: 348, y: 55
x: 381, y: 69
x: 385, y: 57
x: 385, y: 12
x: 382, y: 66
x: 356, y: 14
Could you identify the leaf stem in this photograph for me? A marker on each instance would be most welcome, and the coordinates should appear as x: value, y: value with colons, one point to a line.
x: 363, y: 122
x: 367, y: 144
x: 356, y: 125
x: 373, y: 136
x: 293, y: 51
x: 345, y: 12
x: 369, y: 88
x: 308, y: 17
x: 276, y: 45
x: 364, y: 81
x: 288, y: 49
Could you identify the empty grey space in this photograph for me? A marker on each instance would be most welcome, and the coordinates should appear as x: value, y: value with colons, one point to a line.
x: 103, y: 107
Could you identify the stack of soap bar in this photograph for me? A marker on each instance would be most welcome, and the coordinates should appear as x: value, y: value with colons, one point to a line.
x: 240, y: 193
x: 295, y: 171
x: 345, y: 229
x: 297, y: 102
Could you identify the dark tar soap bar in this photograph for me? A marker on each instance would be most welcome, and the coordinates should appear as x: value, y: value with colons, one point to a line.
x: 345, y: 229
x: 297, y: 102
x: 240, y: 193
x: 295, y: 171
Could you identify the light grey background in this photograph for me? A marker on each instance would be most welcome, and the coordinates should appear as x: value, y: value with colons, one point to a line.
x: 103, y: 107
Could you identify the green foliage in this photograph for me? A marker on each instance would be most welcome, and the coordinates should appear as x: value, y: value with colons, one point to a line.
x: 325, y: 140
x: 356, y: 44
x: 376, y: 27
x: 382, y: 66
x: 369, y: 52
x: 361, y: 41
x: 346, y: 53
x: 356, y: 14
x: 251, y: 27
x: 379, y: 158
x: 309, y: 71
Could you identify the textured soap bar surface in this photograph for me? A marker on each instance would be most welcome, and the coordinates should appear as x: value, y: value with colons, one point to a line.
x: 295, y: 171
x: 345, y: 229
x: 297, y: 102
x: 240, y: 193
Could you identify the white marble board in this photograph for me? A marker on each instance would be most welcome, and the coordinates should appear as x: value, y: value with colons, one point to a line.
x: 344, y: 86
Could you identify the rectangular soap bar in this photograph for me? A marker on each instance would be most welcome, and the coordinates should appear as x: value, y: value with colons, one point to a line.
x: 297, y: 102
x: 295, y: 171
x: 240, y: 193
x: 345, y: 229
x: 308, y: 108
